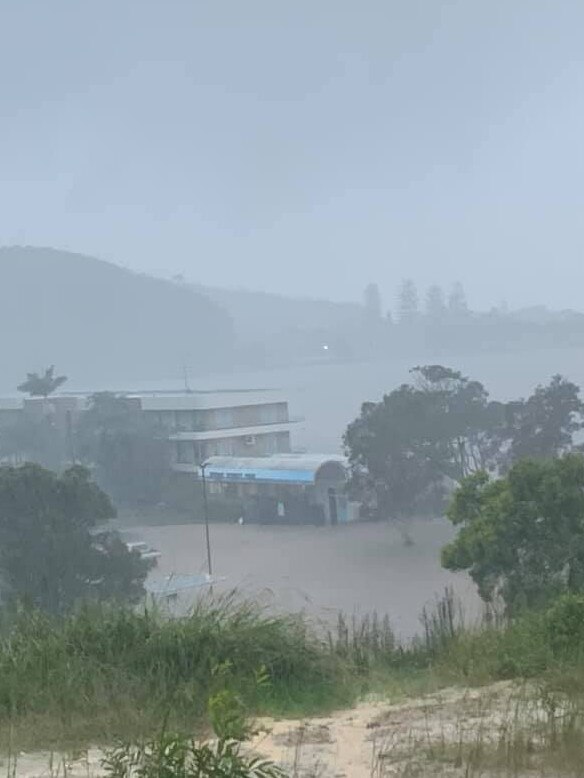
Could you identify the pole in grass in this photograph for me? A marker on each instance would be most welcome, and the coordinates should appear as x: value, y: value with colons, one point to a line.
x: 206, y: 511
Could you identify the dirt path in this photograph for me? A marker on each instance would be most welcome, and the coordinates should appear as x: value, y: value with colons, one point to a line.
x: 415, y: 737
x: 436, y: 734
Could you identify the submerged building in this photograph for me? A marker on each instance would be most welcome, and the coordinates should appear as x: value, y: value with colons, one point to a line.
x: 284, y: 488
x: 240, y: 440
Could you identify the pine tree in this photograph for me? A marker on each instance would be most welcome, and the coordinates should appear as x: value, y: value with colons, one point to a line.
x: 457, y: 304
x: 407, y: 302
x: 372, y: 301
x: 435, y: 303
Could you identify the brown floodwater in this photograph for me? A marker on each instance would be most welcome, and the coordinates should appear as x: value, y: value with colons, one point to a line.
x: 356, y: 568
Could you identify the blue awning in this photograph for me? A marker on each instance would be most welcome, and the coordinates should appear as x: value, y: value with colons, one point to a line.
x: 226, y: 474
x: 301, y: 469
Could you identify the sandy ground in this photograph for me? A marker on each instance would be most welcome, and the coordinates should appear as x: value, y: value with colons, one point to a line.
x: 425, y: 736
x: 356, y: 568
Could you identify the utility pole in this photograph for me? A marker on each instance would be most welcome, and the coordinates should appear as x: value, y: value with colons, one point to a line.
x: 206, y: 510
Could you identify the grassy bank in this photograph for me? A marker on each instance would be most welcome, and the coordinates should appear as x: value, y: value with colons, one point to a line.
x: 104, y: 674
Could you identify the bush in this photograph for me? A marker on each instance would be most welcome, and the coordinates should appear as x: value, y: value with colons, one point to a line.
x: 564, y: 624
x: 177, y: 756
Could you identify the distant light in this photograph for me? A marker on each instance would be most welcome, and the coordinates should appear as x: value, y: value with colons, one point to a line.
x: 325, y: 347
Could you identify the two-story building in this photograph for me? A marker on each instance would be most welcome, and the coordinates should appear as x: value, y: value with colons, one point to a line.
x: 223, y: 423
x: 242, y: 438
x: 199, y: 425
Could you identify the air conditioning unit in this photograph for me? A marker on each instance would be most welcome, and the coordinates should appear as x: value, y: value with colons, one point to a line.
x: 249, y: 440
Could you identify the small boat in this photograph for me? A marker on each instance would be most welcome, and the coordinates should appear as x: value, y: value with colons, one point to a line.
x: 145, y: 551
x: 170, y: 586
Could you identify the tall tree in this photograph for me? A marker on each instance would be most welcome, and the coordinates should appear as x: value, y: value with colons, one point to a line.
x: 422, y: 436
x: 543, y: 426
x: 457, y: 304
x: 33, y: 438
x: 407, y: 302
x: 435, y: 303
x: 37, y: 385
x: 372, y: 302
x: 129, y: 453
x: 521, y: 538
x: 51, y: 554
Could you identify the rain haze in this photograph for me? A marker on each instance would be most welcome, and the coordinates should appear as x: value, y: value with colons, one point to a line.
x: 292, y: 348
x: 302, y: 147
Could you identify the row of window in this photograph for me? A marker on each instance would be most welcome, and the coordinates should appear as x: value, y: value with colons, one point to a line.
x: 190, y: 452
x: 222, y: 418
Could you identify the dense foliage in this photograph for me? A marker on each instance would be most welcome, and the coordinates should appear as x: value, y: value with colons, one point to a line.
x: 521, y: 537
x: 407, y: 450
x: 103, y: 672
x: 51, y: 553
x: 128, y: 452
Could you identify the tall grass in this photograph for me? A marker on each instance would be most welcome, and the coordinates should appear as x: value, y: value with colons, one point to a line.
x: 104, y: 672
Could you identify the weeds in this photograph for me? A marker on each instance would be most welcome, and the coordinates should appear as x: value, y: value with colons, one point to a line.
x: 104, y: 672
x: 174, y: 755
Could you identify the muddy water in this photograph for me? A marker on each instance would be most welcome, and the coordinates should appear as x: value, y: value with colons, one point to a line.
x: 356, y: 568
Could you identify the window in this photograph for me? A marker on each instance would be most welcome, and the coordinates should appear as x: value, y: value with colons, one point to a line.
x: 185, y: 421
x: 223, y: 418
x: 185, y: 452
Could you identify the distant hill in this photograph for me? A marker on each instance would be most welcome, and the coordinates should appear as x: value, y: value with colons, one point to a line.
x: 97, y: 321
x: 102, y: 325
x: 256, y: 315
x: 276, y: 330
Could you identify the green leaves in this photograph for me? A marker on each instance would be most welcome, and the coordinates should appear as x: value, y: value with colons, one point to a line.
x: 177, y: 756
x: 420, y: 437
x: 130, y: 455
x: 521, y: 537
x: 49, y: 556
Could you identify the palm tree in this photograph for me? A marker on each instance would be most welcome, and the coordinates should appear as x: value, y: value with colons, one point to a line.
x: 37, y: 385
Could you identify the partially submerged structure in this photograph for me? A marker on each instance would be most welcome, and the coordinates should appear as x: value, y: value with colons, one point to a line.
x: 241, y: 439
x: 283, y: 488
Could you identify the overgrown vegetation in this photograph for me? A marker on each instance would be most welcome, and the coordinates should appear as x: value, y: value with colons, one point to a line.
x: 409, y: 450
x: 179, y: 756
x: 521, y: 537
x: 128, y: 453
x: 101, y: 673
x: 53, y: 553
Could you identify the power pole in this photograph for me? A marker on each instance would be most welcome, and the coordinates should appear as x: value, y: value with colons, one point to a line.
x: 206, y: 510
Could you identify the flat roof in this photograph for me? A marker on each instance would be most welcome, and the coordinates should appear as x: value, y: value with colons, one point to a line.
x: 207, y: 400
x: 279, y: 468
x: 168, y: 401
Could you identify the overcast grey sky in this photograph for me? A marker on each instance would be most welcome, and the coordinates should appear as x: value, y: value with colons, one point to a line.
x: 302, y: 146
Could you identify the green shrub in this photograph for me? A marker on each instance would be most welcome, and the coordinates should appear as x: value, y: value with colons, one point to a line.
x: 177, y: 756
x: 564, y: 625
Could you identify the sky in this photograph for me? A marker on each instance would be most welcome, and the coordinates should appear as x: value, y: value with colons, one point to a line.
x: 302, y: 146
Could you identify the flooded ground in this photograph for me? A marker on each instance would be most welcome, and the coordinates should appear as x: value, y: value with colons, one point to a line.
x: 355, y: 568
